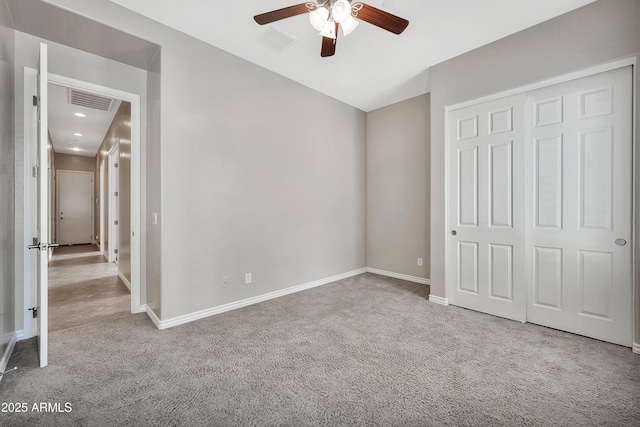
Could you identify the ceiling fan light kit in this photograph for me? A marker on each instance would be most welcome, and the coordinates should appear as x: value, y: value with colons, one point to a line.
x: 326, y: 16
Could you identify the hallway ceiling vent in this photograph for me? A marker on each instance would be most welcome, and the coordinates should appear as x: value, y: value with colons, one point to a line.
x: 89, y: 100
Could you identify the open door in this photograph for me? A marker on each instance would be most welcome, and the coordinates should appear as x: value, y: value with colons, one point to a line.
x: 40, y: 183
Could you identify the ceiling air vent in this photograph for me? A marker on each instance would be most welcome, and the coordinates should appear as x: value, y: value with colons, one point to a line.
x: 275, y: 39
x: 89, y: 100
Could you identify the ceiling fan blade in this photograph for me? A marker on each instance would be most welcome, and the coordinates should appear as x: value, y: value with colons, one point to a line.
x: 381, y: 19
x: 329, y: 45
x: 285, y: 12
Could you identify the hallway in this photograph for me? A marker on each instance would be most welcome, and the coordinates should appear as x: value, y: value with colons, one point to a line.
x: 84, y: 288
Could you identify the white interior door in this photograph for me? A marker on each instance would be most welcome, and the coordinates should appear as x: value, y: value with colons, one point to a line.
x: 42, y: 185
x: 580, y: 215
x: 75, y: 207
x: 485, y: 258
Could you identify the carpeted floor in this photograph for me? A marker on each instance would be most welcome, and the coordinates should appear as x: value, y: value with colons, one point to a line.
x: 368, y: 351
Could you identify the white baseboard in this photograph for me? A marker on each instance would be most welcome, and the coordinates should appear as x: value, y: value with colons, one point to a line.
x: 169, y: 323
x: 125, y: 280
x: 141, y: 309
x: 438, y: 300
x: 20, y: 335
x: 153, y: 317
x: 7, y: 354
x: 636, y: 348
x: 399, y: 276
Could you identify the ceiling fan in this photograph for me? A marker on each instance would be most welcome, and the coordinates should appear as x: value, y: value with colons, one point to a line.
x: 327, y: 15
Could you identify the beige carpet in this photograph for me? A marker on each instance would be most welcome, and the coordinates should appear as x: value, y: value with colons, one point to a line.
x: 366, y: 351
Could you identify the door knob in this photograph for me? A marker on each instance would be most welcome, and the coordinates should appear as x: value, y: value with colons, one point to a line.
x: 621, y: 242
x: 454, y: 232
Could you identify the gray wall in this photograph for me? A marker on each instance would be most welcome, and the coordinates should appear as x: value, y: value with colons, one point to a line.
x: 71, y: 162
x: 398, y: 187
x: 76, y: 64
x: 7, y: 181
x: 600, y: 32
x: 151, y: 191
x: 248, y: 180
x: 119, y: 134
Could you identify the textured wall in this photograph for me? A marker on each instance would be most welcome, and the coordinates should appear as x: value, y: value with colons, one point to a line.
x: 7, y: 180
x: 600, y: 32
x: 398, y: 187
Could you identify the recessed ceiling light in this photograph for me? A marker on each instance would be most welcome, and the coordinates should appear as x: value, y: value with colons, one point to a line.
x: 81, y: 115
x: 77, y: 134
x: 76, y: 149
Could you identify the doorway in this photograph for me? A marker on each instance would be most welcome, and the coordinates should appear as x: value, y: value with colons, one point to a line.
x: 133, y: 122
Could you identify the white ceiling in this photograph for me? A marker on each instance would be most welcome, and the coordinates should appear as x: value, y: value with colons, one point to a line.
x: 63, y: 123
x: 372, y: 67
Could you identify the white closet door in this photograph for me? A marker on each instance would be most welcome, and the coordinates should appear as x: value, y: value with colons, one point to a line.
x: 485, y: 259
x: 579, y: 214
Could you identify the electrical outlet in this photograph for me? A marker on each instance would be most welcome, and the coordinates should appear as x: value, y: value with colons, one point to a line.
x: 419, y: 262
x: 225, y: 282
x: 247, y: 278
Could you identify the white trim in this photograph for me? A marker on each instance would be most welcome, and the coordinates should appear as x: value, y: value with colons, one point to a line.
x: 169, y: 323
x: 399, y: 276
x: 548, y: 82
x: 20, y: 335
x: 152, y: 315
x: 438, y: 300
x: 7, y: 353
x: 636, y: 348
x: 125, y: 280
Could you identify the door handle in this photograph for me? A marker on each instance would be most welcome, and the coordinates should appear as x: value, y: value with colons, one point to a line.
x: 454, y: 232
x: 43, y: 246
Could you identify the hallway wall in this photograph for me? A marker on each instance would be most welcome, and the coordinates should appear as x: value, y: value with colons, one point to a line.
x: 71, y: 162
x: 7, y: 181
x: 119, y: 134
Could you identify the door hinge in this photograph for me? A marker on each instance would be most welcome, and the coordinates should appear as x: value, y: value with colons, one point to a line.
x: 115, y: 251
x: 115, y: 222
x: 115, y: 193
x: 115, y: 165
x: 35, y: 311
x: 34, y: 171
x: 35, y: 101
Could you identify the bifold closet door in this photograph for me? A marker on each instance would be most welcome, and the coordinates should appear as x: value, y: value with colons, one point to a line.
x: 485, y: 248
x: 579, y: 213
